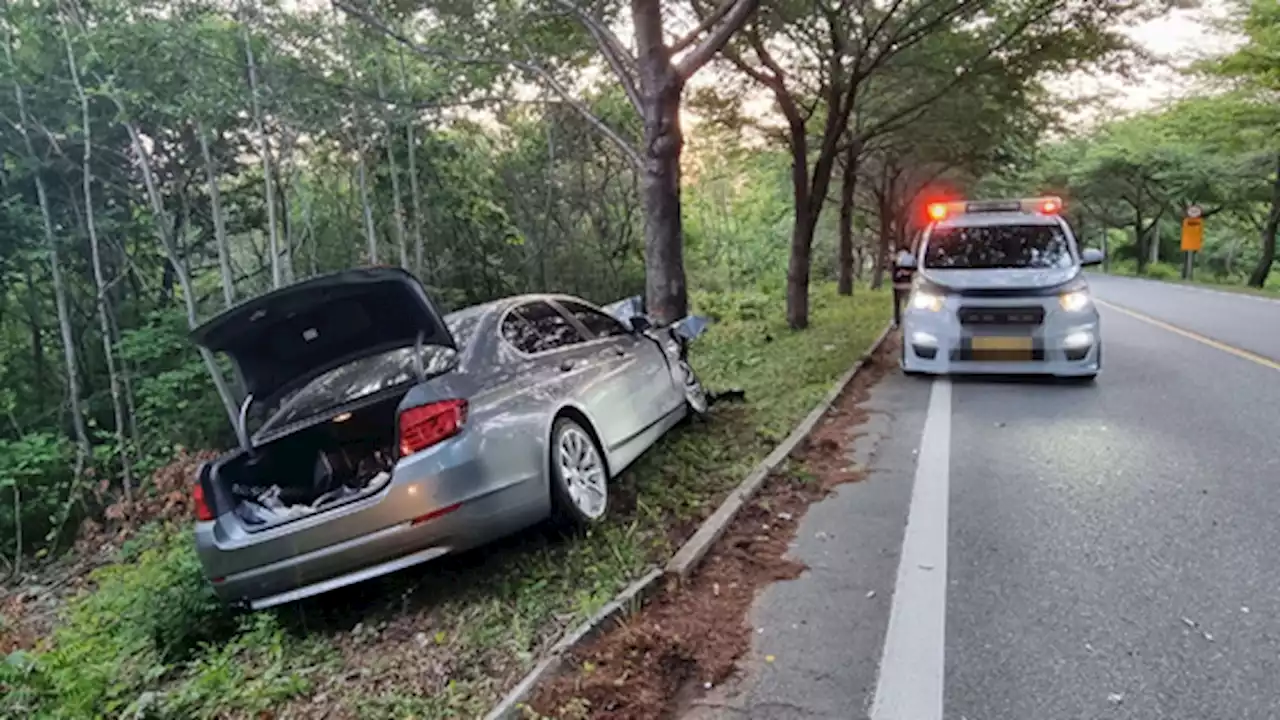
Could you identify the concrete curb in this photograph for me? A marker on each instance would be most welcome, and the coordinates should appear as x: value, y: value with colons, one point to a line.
x: 687, y: 558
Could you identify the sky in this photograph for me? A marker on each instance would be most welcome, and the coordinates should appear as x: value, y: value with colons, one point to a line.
x: 1178, y: 39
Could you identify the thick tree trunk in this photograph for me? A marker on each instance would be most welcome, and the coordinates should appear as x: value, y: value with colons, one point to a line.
x: 848, y: 186
x: 1263, y: 269
x: 99, y: 281
x: 666, y: 296
x: 219, y: 223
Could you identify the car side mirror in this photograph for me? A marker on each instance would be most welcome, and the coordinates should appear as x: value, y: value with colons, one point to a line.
x: 906, y: 263
x: 640, y: 323
x: 1092, y: 256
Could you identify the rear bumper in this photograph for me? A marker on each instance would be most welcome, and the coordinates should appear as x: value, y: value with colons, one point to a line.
x: 1065, y: 345
x: 407, y: 543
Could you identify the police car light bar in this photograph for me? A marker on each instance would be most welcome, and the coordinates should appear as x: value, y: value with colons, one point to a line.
x: 1050, y: 205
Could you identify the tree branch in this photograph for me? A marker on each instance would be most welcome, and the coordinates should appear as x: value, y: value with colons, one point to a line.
x: 707, y: 23
x: 615, y: 53
x: 733, y: 19
x: 372, y: 21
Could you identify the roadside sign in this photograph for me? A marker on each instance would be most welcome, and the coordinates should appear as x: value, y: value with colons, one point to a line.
x: 1192, y: 233
x: 1194, y: 211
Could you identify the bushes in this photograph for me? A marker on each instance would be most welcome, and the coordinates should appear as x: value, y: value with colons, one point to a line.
x: 35, y: 477
x: 151, y: 640
x: 146, y: 613
x: 177, y: 405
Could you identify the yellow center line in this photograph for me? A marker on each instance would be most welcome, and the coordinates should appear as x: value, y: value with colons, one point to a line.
x: 1238, y: 352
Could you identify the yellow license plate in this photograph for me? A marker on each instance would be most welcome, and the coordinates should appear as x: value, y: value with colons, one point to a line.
x: 1003, y: 344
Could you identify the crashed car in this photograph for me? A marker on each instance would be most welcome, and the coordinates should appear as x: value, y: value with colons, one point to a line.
x: 392, y: 435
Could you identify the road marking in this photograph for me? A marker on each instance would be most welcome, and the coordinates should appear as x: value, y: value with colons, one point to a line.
x: 1238, y: 352
x: 912, y: 668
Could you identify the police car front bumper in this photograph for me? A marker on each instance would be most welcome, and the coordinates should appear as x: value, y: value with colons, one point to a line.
x: 1063, y: 343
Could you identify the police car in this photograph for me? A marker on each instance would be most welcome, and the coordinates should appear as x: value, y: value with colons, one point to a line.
x: 999, y: 288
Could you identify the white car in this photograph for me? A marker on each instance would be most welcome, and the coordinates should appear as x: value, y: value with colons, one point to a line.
x: 999, y: 288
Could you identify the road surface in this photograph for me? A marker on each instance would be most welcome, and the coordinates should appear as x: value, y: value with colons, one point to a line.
x: 1037, y: 551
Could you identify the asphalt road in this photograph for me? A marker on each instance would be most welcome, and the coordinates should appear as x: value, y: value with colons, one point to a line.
x: 1105, y: 551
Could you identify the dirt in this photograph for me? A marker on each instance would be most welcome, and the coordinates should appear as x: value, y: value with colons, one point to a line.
x: 29, y: 603
x: 690, y: 636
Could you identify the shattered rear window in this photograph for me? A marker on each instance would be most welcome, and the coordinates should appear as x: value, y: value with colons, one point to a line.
x: 371, y: 375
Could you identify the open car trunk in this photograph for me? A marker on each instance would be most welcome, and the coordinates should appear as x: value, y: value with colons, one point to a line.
x: 334, y: 459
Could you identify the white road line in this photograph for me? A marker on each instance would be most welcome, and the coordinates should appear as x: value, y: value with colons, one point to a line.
x: 912, y: 668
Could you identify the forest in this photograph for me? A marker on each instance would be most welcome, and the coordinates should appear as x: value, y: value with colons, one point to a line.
x: 755, y: 162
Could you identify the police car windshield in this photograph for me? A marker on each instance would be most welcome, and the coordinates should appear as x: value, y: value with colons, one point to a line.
x: 994, y: 247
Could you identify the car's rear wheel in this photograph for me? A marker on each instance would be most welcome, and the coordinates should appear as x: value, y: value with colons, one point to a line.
x: 579, y: 476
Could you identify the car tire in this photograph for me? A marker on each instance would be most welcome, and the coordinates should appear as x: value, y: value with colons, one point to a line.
x: 579, y: 477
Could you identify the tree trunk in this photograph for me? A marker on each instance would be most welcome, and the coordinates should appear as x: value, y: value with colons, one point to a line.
x: 179, y: 268
x: 219, y: 223
x: 34, y: 321
x: 397, y: 205
x: 285, y: 189
x: 1260, y: 272
x: 99, y: 282
x: 83, y: 449
x: 848, y: 186
x: 666, y: 296
x: 415, y: 200
x: 265, y: 150
x: 882, y: 243
x: 367, y: 208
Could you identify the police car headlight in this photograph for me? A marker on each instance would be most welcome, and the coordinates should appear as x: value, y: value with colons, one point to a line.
x: 924, y: 300
x: 1074, y: 301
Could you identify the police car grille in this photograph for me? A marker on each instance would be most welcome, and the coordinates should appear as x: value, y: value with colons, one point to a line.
x: 1033, y: 315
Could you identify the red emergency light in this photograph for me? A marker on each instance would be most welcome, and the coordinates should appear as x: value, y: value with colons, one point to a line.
x: 939, y: 211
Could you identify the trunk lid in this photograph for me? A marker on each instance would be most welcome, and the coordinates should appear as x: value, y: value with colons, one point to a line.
x: 281, y: 340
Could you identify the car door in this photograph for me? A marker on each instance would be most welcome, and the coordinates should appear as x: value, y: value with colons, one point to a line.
x: 561, y: 363
x: 640, y: 390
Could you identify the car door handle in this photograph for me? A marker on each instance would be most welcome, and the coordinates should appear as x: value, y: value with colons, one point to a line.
x: 619, y: 352
x: 566, y: 365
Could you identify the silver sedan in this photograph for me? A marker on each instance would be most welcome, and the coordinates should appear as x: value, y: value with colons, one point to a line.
x: 390, y: 435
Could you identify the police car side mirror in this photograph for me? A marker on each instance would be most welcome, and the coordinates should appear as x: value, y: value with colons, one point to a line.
x: 907, y: 263
x: 1091, y: 256
x: 639, y: 323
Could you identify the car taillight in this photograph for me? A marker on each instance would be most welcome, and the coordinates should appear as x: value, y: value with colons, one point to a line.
x: 203, y: 513
x: 425, y: 425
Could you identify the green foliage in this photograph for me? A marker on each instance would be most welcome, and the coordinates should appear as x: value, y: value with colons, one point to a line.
x: 35, y: 476
x: 175, y: 401
x: 151, y: 640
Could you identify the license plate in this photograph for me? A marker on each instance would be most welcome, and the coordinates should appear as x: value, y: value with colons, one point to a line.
x: 1003, y: 344
x: 1003, y: 348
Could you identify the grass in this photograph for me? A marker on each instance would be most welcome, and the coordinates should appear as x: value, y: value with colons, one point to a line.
x: 444, y: 640
x: 1167, y: 272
